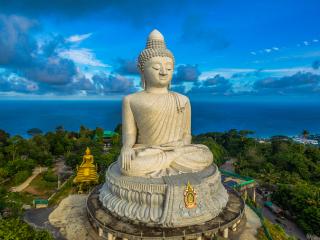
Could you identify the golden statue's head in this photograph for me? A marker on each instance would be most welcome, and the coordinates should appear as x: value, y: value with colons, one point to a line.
x: 156, y: 62
x: 88, y: 152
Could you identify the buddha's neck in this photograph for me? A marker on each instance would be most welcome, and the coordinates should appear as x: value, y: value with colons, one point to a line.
x: 157, y: 90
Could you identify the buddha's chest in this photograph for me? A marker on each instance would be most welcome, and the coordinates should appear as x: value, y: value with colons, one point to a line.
x: 154, y: 109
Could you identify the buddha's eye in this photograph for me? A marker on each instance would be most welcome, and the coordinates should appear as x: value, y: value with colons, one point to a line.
x: 169, y: 67
x: 156, y: 66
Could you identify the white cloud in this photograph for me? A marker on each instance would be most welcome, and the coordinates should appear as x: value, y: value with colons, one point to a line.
x: 268, y: 50
x: 306, y: 43
x: 225, y: 72
x: 82, y: 56
x: 315, y: 40
x: 78, y: 38
x: 275, y: 48
x: 253, y: 53
x: 275, y: 72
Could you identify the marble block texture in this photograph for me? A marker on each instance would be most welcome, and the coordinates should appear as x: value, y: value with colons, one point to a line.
x: 161, y: 201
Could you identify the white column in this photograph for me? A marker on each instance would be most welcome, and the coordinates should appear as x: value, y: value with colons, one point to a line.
x: 110, y: 236
x: 245, y: 194
x: 100, y: 232
x: 234, y: 227
x: 199, y: 238
x: 254, y: 194
x: 226, y: 233
x: 124, y: 238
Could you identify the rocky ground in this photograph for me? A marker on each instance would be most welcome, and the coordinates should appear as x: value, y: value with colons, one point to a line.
x: 71, y: 218
x: 252, y: 225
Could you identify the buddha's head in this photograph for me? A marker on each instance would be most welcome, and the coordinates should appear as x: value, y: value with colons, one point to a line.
x: 156, y: 62
x: 88, y: 152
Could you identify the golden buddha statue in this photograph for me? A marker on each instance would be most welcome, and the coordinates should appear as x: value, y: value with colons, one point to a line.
x: 87, y: 171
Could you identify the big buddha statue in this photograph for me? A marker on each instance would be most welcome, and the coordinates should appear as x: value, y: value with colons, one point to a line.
x: 157, y: 121
x: 161, y: 178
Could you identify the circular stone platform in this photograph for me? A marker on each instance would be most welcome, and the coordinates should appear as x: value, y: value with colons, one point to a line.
x: 164, y: 201
x: 110, y: 227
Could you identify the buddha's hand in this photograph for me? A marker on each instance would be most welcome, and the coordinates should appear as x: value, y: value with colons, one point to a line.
x: 127, y: 154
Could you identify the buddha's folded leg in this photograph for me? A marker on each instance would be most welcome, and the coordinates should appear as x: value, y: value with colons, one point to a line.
x: 193, y: 157
x: 149, y: 161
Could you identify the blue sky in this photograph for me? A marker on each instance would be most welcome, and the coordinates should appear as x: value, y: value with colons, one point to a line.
x: 223, y: 49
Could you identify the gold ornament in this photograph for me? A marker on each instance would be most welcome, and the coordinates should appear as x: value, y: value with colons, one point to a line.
x: 190, y: 196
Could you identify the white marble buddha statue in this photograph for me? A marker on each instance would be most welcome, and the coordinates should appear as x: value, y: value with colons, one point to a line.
x: 157, y: 122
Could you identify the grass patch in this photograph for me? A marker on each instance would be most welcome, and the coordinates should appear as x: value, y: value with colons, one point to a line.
x: 21, y: 176
x: 41, y: 187
x: 276, y: 231
x: 20, y: 198
x: 63, y: 192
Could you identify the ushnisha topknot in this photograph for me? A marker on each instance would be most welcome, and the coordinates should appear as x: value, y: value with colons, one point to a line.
x: 155, y: 47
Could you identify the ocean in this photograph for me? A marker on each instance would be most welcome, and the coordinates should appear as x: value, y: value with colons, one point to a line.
x: 265, y: 118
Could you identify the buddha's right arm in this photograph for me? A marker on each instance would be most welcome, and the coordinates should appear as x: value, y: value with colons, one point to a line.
x: 129, y: 134
x: 129, y: 129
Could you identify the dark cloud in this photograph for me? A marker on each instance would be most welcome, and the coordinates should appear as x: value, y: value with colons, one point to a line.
x: 126, y: 67
x: 296, y: 80
x: 24, y: 56
x: 13, y: 83
x: 316, y: 65
x: 299, y: 83
x: 256, y: 73
x: 35, y: 66
x: 39, y: 7
x: 195, y: 33
x: 114, y: 83
x: 186, y: 73
x: 135, y: 12
x: 216, y: 85
x: 17, y: 47
x: 54, y: 70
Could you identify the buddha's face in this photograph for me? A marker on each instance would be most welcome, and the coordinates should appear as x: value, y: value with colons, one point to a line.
x: 88, y: 151
x: 158, y: 72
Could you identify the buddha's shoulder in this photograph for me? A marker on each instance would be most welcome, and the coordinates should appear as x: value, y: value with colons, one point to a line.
x: 181, y: 97
x: 134, y: 97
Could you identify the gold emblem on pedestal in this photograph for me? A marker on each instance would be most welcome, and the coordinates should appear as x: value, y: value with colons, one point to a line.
x: 190, y: 196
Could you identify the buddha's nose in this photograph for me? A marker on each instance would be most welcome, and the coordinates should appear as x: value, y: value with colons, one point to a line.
x: 163, y: 71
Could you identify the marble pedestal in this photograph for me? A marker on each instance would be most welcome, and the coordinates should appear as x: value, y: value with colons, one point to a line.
x: 110, y: 227
x: 161, y: 201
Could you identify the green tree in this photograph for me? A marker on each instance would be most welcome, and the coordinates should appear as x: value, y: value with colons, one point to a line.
x: 34, y: 132
x: 305, y: 133
x: 16, y: 229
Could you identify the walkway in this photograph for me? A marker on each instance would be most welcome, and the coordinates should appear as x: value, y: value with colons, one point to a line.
x: 38, y: 218
x: 26, y: 183
x: 228, y: 165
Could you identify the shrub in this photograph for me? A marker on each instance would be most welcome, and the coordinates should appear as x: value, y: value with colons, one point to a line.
x: 21, y: 176
x: 49, y: 176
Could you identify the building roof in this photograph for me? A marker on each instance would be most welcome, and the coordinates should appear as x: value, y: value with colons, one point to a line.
x: 40, y: 201
x: 234, y: 180
x: 109, y: 134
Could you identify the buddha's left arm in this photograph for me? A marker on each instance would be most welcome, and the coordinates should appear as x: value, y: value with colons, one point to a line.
x: 187, y: 131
